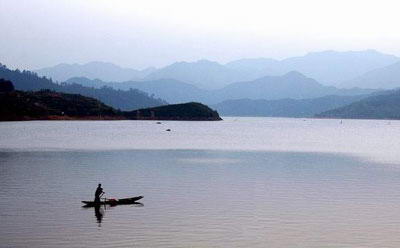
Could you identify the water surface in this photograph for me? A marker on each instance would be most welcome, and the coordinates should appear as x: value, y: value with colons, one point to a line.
x: 238, y: 183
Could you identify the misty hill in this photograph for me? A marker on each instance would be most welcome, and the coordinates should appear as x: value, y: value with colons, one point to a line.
x: 173, y: 91
x: 387, y: 77
x: 291, y: 85
x: 125, y: 100
x: 331, y: 67
x: 327, y: 67
x: 192, y: 111
x: 203, y: 74
x: 382, y: 106
x: 257, y: 67
x: 283, y: 107
x: 93, y: 70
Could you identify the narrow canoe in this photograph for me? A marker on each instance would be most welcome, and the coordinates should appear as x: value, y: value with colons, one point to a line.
x: 113, y: 202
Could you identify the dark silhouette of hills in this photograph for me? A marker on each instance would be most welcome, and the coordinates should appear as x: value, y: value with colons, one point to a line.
x: 387, y: 77
x: 6, y: 86
x: 51, y: 105
x: 191, y: 111
x: 283, y: 107
x: 125, y: 100
x: 385, y: 105
x: 26, y: 80
x: 93, y: 70
x: 171, y: 90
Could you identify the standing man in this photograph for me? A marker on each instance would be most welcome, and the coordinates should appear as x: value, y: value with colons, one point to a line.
x: 98, y: 193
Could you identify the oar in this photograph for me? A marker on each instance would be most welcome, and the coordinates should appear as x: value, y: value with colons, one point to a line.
x: 105, y: 199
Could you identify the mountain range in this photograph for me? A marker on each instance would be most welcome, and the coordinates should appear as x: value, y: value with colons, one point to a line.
x: 290, y: 85
x: 171, y: 90
x: 327, y: 67
x: 292, y: 95
x: 50, y: 105
x: 203, y: 74
x: 124, y: 100
x: 385, y: 105
x: 387, y: 77
x: 93, y: 70
x: 283, y: 107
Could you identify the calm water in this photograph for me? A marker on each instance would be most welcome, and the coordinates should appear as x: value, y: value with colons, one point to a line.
x: 243, y: 182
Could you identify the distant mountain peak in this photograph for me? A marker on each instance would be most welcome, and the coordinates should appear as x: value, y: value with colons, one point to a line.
x: 197, y: 62
x: 322, y: 52
x: 258, y: 59
x: 387, y: 77
x: 206, y: 61
x: 105, y: 71
x: 333, y: 52
x: 100, y: 63
x: 294, y: 74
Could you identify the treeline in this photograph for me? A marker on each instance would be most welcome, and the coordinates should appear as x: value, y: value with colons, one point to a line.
x: 18, y: 105
x: 51, y: 105
x: 124, y: 100
x: 185, y: 111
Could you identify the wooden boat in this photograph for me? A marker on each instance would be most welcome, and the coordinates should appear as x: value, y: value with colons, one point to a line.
x: 113, y: 202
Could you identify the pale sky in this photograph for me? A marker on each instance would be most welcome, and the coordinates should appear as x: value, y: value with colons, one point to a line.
x: 138, y: 34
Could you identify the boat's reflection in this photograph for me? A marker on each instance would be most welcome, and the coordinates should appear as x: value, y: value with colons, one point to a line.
x: 100, y: 210
x: 99, y: 213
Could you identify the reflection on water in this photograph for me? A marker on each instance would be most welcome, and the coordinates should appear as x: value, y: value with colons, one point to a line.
x: 99, y: 213
x: 100, y: 210
x: 198, y: 198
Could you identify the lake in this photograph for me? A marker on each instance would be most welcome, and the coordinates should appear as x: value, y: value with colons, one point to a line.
x: 241, y: 182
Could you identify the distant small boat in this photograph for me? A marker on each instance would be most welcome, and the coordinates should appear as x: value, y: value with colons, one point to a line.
x: 113, y: 202
x: 168, y: 130
x: 158, y: 122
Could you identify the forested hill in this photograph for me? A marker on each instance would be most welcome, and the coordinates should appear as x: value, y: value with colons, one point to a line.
x: 124, y: 100
x: 382, y: 106
x: 50, y: 105
x: 192, y: 111
x: 26, y: 80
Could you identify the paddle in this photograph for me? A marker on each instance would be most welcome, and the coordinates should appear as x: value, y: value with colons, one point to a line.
x: 105, y: 199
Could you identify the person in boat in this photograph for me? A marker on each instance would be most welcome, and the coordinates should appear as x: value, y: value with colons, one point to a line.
x: 98, y: 193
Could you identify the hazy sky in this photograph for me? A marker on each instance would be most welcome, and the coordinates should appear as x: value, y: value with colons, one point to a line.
x: 39, y: 33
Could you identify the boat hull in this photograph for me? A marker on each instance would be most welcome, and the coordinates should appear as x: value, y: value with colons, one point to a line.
x: 113, y: 202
